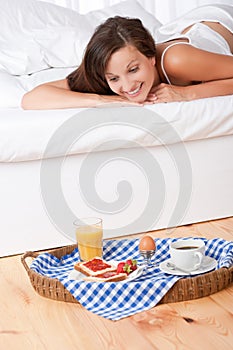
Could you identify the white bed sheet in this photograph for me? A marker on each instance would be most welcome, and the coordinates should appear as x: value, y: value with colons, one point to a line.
x: 24, y: 135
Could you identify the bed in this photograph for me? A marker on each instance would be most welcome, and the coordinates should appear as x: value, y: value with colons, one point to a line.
x: 139, y: 168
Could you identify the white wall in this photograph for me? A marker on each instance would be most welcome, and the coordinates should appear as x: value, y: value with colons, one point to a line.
x: 164, y: 10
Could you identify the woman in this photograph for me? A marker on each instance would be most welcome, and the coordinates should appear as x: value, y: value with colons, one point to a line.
x: 122, y: 64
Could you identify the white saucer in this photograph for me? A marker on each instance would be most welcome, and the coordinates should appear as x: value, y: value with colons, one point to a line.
x: 208, y: 264
x: 78, y: 276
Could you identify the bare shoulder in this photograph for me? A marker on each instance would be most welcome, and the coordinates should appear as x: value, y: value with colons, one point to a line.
x: 62, y: 84
x: 188, y: 63
x: 177, y: 58
x: 177, y: 61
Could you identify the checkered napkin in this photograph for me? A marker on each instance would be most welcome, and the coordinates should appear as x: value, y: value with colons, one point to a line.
x: 115, y: 300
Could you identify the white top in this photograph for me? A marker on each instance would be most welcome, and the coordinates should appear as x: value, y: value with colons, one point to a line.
x: 199, y: 35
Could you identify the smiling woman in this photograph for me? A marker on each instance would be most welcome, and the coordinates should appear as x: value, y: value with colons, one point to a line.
x: 122, y: 63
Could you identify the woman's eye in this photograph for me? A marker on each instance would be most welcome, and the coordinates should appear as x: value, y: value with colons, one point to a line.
x: 113, y: 79
x: 133, y: 70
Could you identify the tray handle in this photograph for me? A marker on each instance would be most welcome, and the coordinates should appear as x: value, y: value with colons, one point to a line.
x: 25, y: 256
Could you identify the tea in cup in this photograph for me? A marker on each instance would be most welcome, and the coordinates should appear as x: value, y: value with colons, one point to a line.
x: 187, y: 254
x: 89, y: 236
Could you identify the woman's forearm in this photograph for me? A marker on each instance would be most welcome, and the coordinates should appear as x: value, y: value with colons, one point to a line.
x: 210, y: 89
x: 52, y: 97
x: 174, y: 93
x: 48, y: 96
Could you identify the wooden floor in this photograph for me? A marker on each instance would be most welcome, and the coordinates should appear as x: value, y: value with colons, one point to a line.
x: 29, y: 321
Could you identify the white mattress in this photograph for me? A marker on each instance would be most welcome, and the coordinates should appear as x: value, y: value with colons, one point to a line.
x: 35, y: 216
x: 24, y: 135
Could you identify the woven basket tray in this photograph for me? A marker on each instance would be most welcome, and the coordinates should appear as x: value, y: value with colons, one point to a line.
x: 184, y: 289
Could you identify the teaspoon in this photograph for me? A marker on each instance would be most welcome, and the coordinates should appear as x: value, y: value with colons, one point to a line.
x: 174, y: 267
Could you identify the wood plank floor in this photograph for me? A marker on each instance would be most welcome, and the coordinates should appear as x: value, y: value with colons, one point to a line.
x: 29, y: 321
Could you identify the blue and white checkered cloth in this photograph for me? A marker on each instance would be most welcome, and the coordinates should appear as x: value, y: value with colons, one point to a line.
x: 115, y: 300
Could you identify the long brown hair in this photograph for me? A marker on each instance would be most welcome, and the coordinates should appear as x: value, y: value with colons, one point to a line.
x: 114, y: 34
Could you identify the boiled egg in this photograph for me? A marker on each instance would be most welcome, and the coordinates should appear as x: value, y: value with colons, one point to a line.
x: 147, y: 243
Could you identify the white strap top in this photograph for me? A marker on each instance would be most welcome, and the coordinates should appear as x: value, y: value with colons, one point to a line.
x: 199, y: 35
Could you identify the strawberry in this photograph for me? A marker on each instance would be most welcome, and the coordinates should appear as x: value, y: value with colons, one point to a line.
x: 127, y: 267
x: 132, y: 264
x: 120, y: 267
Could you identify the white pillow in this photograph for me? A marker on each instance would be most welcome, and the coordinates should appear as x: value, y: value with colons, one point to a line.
x: 37, y: 35
x: 128, y: 8
x: 21, y: 21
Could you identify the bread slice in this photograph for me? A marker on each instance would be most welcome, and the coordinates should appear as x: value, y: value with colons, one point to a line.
x: 111, y: 276
x: 94, y: 267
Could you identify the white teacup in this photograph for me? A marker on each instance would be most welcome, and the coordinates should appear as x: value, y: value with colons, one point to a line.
x: 187, y: 254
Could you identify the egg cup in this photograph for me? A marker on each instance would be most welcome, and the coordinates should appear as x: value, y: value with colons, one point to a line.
x: 147, y: 249
x: 147, y: 255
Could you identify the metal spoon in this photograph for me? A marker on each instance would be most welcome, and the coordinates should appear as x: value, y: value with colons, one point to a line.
x: 174, y: 267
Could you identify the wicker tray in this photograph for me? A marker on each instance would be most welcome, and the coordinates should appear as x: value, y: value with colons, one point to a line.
x: 184, y: 289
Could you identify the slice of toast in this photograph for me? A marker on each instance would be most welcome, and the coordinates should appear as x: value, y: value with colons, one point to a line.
x: 111, y: 276
x: 94, y: 267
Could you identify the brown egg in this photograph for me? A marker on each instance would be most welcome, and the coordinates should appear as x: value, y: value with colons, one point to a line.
x: 147, y: 243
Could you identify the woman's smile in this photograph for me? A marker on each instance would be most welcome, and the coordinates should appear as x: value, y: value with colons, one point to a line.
x: 134, y: 93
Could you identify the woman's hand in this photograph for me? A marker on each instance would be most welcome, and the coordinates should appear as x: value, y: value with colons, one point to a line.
x: 168, y: 93
x: 172, y: 93
x: 115, y: 101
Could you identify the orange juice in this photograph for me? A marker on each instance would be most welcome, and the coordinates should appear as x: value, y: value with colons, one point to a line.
x: 90, y: 241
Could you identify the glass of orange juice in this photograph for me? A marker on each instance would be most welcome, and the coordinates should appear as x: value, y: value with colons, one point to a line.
x: 89, y: 236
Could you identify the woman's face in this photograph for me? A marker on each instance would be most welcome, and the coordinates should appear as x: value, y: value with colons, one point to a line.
x: 130, y: 74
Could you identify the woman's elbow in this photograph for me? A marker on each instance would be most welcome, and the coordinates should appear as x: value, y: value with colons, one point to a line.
x: 24, y: 104
x: 26, y: 101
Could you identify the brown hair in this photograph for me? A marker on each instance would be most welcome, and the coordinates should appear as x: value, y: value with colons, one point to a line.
x: 114, y: 34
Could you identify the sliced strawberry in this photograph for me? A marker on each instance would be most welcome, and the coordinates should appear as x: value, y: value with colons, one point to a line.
x: 120, y: 267
x: 127, y: 267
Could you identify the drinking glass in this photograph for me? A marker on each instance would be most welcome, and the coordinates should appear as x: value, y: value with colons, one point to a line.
x: 89, y: 236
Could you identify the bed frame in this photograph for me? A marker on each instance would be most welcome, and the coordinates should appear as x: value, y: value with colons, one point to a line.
x: 35, y: 215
